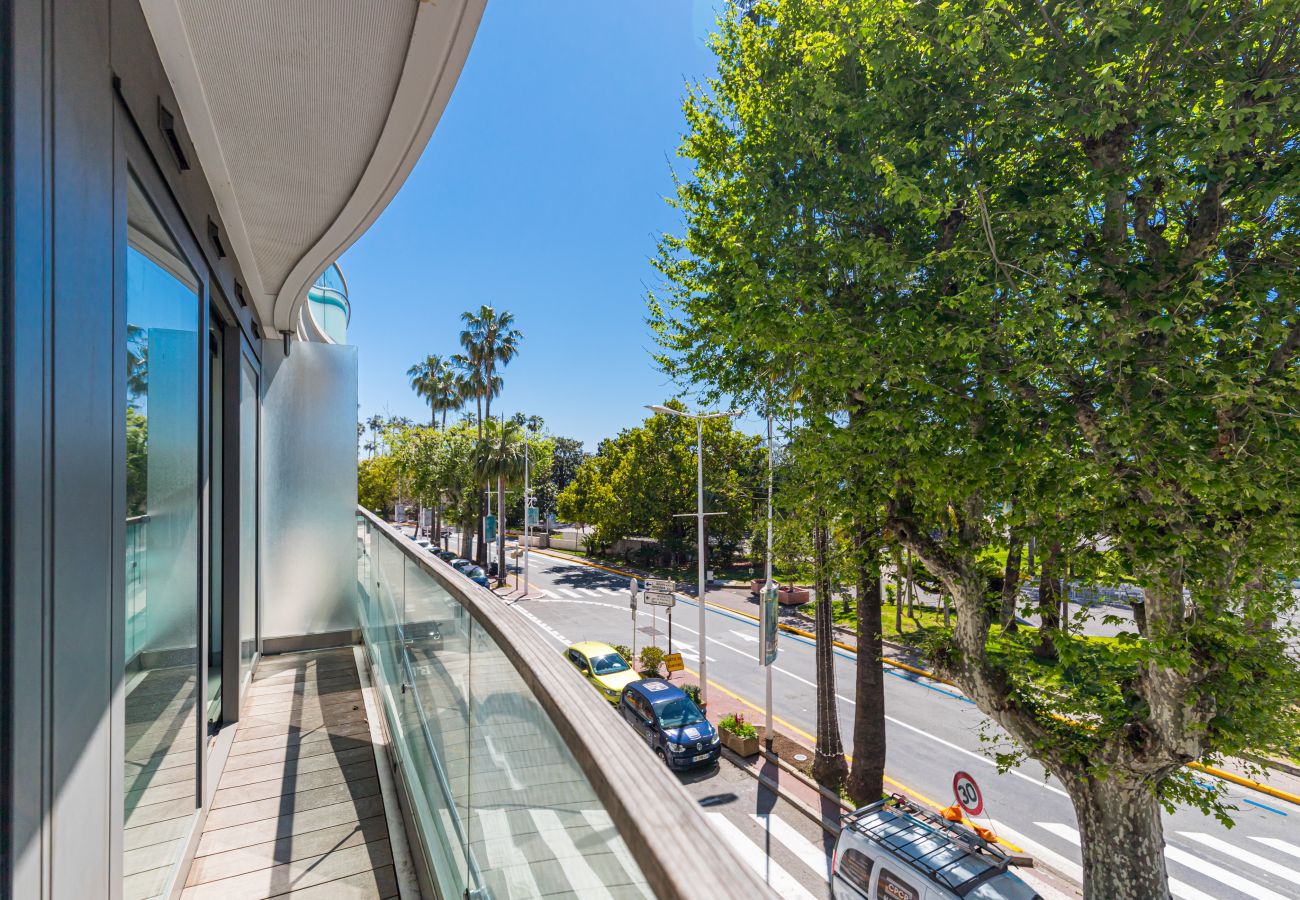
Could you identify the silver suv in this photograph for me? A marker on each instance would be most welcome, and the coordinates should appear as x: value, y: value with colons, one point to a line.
x: 894, y: 850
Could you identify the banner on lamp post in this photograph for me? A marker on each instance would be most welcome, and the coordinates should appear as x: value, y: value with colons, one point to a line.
x: 767, y: 625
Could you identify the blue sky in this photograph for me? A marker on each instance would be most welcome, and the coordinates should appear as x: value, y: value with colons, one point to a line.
x: 541, y: 192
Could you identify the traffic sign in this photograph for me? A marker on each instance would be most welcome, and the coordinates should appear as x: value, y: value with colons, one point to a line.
x: 674, y: 663
x: 632, y: 594
x: 659, y: 598
x: 660, y: 585
x: 968, y: 794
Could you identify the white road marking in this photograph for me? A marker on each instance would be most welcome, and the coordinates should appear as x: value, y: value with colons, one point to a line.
x: 1067, y: 867
x: 1277, y: 844
x: 811, y: 855
x: 546, y: 629
x: 496, y: 831
x: 743, y: 636
x: 614, y: 593
x: 588, y: 591
x: 603, y: 825
x: 1245, y: 856
x: 753, y: 856
x: 568, y: 593
x: 1196, y: 864
x: 973, y: 755
x: 583, y: 878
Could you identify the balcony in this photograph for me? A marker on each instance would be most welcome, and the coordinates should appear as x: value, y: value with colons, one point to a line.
x: 454, y: 732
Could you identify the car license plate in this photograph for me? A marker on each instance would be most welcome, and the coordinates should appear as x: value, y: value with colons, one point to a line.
x: 701, y: 758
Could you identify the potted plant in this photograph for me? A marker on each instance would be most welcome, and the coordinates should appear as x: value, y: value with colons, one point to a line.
x: 651, y: 659
x: 693, y: 691
x: 738, y: 735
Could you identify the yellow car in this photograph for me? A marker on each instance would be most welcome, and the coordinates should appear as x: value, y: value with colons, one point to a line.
x: 602, y: 666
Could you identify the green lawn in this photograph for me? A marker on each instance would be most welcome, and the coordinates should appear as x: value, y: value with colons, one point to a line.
x: 687, y: 573
x: 926, y: 617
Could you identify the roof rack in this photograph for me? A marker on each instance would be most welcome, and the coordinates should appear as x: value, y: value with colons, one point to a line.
x: 928, y: 841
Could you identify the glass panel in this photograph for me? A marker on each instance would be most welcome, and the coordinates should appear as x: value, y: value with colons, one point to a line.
x: 248, y: 405
x: 500, y: 802
x: 216, y: 486
x: 162, y: 553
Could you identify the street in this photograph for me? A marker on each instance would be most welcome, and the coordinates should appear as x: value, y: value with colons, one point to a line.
x: 933, y: 731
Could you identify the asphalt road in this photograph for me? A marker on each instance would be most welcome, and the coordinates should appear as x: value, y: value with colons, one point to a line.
x: 932, y: 732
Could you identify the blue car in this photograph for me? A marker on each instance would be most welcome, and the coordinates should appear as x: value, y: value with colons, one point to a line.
x: 670, y: 723
x: 476, y: 575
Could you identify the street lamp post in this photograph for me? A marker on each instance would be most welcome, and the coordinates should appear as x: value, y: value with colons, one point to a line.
x: 699, y: 514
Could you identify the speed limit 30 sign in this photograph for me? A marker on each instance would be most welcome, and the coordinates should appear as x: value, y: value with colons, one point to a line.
x: 968, y: 794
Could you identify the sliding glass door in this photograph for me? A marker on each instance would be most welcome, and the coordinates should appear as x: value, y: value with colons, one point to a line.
x: 249, y: 405
x: 164, y: 531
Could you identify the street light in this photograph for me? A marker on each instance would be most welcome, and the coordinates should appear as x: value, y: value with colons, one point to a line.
x: 699, y: 515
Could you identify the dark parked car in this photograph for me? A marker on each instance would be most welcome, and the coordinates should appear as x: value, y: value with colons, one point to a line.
x: 476, y: 575
x: 670, y: 722
x: 445, y: 555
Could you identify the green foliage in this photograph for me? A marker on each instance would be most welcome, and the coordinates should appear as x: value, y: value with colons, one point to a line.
x: 693, y: 691
x: 137, y: 462
x: 734, y: 723
x: 1046, y: 258
x: 652, y: 658
x: 377, y: 483
x: 638, y: 481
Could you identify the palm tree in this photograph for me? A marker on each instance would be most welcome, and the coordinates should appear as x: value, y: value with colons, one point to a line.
x: 436, y: 381
x: 490, y: 341
x: 374, y: 424
x: 501, y: 456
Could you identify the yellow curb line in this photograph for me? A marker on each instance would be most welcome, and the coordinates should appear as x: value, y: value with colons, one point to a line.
x: 1200, y: 767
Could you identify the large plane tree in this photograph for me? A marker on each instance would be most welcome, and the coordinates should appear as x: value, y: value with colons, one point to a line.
x: 1043, y: 255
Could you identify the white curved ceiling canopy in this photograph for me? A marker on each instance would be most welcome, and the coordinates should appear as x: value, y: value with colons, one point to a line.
x: 307, y: 116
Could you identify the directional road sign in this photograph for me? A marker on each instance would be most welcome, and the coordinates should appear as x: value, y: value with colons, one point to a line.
x: 659, y: 598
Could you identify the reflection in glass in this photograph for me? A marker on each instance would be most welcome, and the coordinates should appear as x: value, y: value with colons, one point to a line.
x: 216, y: 485
x: 498, y: 792
x: 162, y: 552
x: 247, y: 518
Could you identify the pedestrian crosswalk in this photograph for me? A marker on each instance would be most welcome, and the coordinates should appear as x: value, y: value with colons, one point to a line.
x: 760, y: 858
x: 1232, y: 854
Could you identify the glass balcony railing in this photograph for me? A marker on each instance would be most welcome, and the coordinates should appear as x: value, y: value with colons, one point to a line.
x: 521, y: 781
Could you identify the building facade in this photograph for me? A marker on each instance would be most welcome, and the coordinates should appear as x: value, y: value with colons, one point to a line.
x: 178, y: 466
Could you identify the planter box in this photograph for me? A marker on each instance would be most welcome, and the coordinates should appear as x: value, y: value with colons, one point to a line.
x: 739, y: 745
x: 786, y: 596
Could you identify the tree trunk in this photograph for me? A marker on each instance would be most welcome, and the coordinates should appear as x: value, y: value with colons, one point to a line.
x: 1011, y: 581
x: 898, y: 596
x: 1122, y: 838
x: 866, y: 782
x: 829, y: 767
x: 1049, y: 607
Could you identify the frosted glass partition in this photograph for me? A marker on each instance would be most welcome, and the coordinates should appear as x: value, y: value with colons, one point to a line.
x: 309, y: 489
x: 501, y: 804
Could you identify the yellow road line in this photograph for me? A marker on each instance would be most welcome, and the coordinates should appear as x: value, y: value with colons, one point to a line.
x: 1200, y: 767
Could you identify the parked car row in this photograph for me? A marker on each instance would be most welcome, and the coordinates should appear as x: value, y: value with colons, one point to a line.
x: 666, y: 718
x: 463, y: 566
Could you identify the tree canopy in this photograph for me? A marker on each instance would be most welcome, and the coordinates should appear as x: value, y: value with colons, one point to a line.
x: 639, y: 481
x: 1035, y: 264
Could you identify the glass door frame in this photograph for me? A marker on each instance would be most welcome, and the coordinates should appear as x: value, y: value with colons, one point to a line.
x: 237, y: 350
x: 134, y: 162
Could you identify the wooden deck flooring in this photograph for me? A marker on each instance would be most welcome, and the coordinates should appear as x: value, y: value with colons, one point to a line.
x: 298, y: 811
